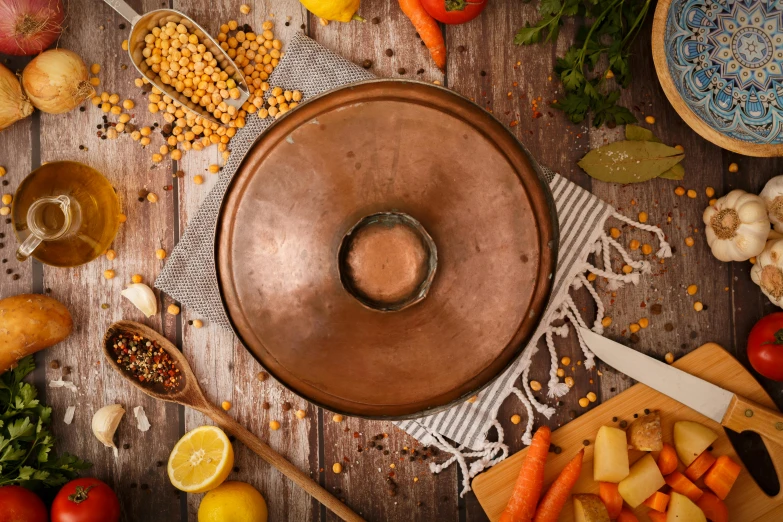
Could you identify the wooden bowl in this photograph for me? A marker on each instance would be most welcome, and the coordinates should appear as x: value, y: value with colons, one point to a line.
x: 386, y: 249
x: 721, y: 67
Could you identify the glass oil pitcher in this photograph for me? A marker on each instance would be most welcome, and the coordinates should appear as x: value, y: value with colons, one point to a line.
x: 65, y: 214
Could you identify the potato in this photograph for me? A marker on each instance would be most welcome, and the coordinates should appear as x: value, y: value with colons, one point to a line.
x: 610, y: 461
x: 645, y: 433
x: 644, y: 479
x: 681, y: 509
x: 28, y: 323
x: 589, y: 508
x: 691, y: 439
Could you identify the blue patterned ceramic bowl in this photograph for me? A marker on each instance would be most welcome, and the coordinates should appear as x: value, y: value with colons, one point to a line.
x: 720, y: 63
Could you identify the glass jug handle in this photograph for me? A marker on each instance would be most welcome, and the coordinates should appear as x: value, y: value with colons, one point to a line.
x: 37, y: 236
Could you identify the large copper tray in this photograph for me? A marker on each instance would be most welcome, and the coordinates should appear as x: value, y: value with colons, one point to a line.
x: 386, y: 249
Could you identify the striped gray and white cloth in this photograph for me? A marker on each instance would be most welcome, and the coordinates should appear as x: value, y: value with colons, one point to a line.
x: 189, y: 275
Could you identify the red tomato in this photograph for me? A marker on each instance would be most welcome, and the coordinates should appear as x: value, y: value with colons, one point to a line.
x: 18, y: 504
x: 765, y: 346
x: 454, y: 11
x: 86, y: 500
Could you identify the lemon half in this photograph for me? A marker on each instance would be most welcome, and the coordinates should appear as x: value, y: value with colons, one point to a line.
x: 201, y: 460
x: 336, y: 10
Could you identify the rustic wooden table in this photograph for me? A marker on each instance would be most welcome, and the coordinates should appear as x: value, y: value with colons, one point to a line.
x: 484, y: 65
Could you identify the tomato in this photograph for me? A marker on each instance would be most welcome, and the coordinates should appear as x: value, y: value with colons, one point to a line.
x: 454, y: 11
x: 18, y: 504
x: 765, y: 346
x: 86, y: 500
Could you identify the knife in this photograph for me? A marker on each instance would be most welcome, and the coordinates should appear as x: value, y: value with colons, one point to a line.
x: 724, y: 407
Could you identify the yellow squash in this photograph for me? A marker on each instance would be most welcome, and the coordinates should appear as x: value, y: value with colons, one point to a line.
x: 334, y: 10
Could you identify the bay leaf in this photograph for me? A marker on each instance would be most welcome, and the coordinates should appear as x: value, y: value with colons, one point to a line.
x: 630, y: 161
x: 677, y: 173
x: 636, y: 133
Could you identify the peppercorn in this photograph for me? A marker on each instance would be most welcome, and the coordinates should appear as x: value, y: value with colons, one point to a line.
x: 389, y: 52
x: 54, y: 365
x: 367, y: 64
x: 286, y: 406
x: 623, y: 424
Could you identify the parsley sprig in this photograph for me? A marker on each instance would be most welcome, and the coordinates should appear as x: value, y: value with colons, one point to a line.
x: 25, y: 440
x: 610, y: 28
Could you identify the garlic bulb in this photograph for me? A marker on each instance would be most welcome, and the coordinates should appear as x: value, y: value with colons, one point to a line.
x: 773, y: 198
x: 142, y: 298
x: 767, y: 271
x: 737, y: 226
x: 105, y: 422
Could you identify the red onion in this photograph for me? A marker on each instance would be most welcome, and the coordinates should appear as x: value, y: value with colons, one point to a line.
x: 29, y: 26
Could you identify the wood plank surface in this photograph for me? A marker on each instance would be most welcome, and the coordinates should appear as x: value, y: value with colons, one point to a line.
x: 512, y: 82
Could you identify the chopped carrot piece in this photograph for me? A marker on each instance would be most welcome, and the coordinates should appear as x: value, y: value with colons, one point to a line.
x: 713, y: 507
x: 657, y: 501
x: 527, y: 490
x: 667, y: 460
x: 700, y: 466
x: 626, y: 515
x: 556, y: 497
x: 655, y: 516
x: 681, y: 484
x: 611, y: 498
x: 722, y: 475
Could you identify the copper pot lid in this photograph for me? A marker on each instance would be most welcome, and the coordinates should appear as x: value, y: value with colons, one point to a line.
x: 386, y: 249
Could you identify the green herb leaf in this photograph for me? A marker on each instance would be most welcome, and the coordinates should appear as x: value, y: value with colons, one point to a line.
x: 26, y: 445
x: 676, y: 173
x: 636, y: 133
x: 630, y: 161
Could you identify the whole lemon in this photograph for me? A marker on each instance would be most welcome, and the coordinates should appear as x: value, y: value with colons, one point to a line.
x: 337, y: 10
x: 234, y: 501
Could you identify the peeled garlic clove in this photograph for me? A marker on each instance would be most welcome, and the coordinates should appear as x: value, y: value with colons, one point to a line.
x: 142, y: 298
x: 105, y: 422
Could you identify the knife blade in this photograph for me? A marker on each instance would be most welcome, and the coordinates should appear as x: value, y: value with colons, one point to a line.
x: 724, y: 407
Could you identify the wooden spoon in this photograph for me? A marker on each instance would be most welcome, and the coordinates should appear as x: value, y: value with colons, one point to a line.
x: 189, y: 393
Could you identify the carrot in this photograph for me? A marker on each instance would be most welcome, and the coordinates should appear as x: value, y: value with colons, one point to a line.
x: 657, y: 501
x: 722, y: 475
x: 681, y: 484
x: 556, y: 497
x: 700, y: 466
x: 611, y: 498
x: 655, y: 516
x: 667, y: 460
x: 428, y: 30
x: 530, y: 481
x: 713, y: 507
x: 626, y: 515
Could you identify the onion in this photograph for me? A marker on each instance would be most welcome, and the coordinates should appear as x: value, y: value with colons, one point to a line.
x: 13, y: 104
x: 57, y: 81
x: 29, y: 26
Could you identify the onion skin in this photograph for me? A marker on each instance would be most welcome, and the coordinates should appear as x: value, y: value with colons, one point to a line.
x: 14, y: 105
x: 28, y: 27
x: 57, y: 81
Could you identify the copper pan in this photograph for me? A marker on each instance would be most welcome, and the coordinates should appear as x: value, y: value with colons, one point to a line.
x: 386, y: 249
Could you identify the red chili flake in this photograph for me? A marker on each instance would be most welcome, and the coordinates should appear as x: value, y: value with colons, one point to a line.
x: 355, y: 434
x: 513, y: 123
x: 536, y: 115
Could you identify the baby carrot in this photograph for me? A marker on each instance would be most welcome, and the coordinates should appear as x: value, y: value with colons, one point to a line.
x: 667, y: 460
x: 530, y: 481
x: 611, y: 498
x: 428, y: 29
x: 555, y: 498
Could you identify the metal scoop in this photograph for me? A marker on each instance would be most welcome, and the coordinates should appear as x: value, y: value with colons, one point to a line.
x: 141, y: 26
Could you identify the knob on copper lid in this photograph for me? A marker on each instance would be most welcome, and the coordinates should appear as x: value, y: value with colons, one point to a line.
x: 388, y: 261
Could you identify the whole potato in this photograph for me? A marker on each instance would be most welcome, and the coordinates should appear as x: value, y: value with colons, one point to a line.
x: 28, y: 323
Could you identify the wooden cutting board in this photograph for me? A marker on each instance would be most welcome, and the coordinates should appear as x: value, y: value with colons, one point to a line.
x: 746, y: 502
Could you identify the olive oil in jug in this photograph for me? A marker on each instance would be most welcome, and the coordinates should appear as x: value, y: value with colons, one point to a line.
x: 65, y: 214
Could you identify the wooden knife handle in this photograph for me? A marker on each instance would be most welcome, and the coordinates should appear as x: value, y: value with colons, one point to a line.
x: 285, y: 467
x: 744, y: 415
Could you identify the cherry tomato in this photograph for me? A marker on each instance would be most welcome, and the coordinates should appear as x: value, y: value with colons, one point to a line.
x: 18, y: 504
x: 86, y: 500
x: 765, y: 346
x: 454, y: 11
